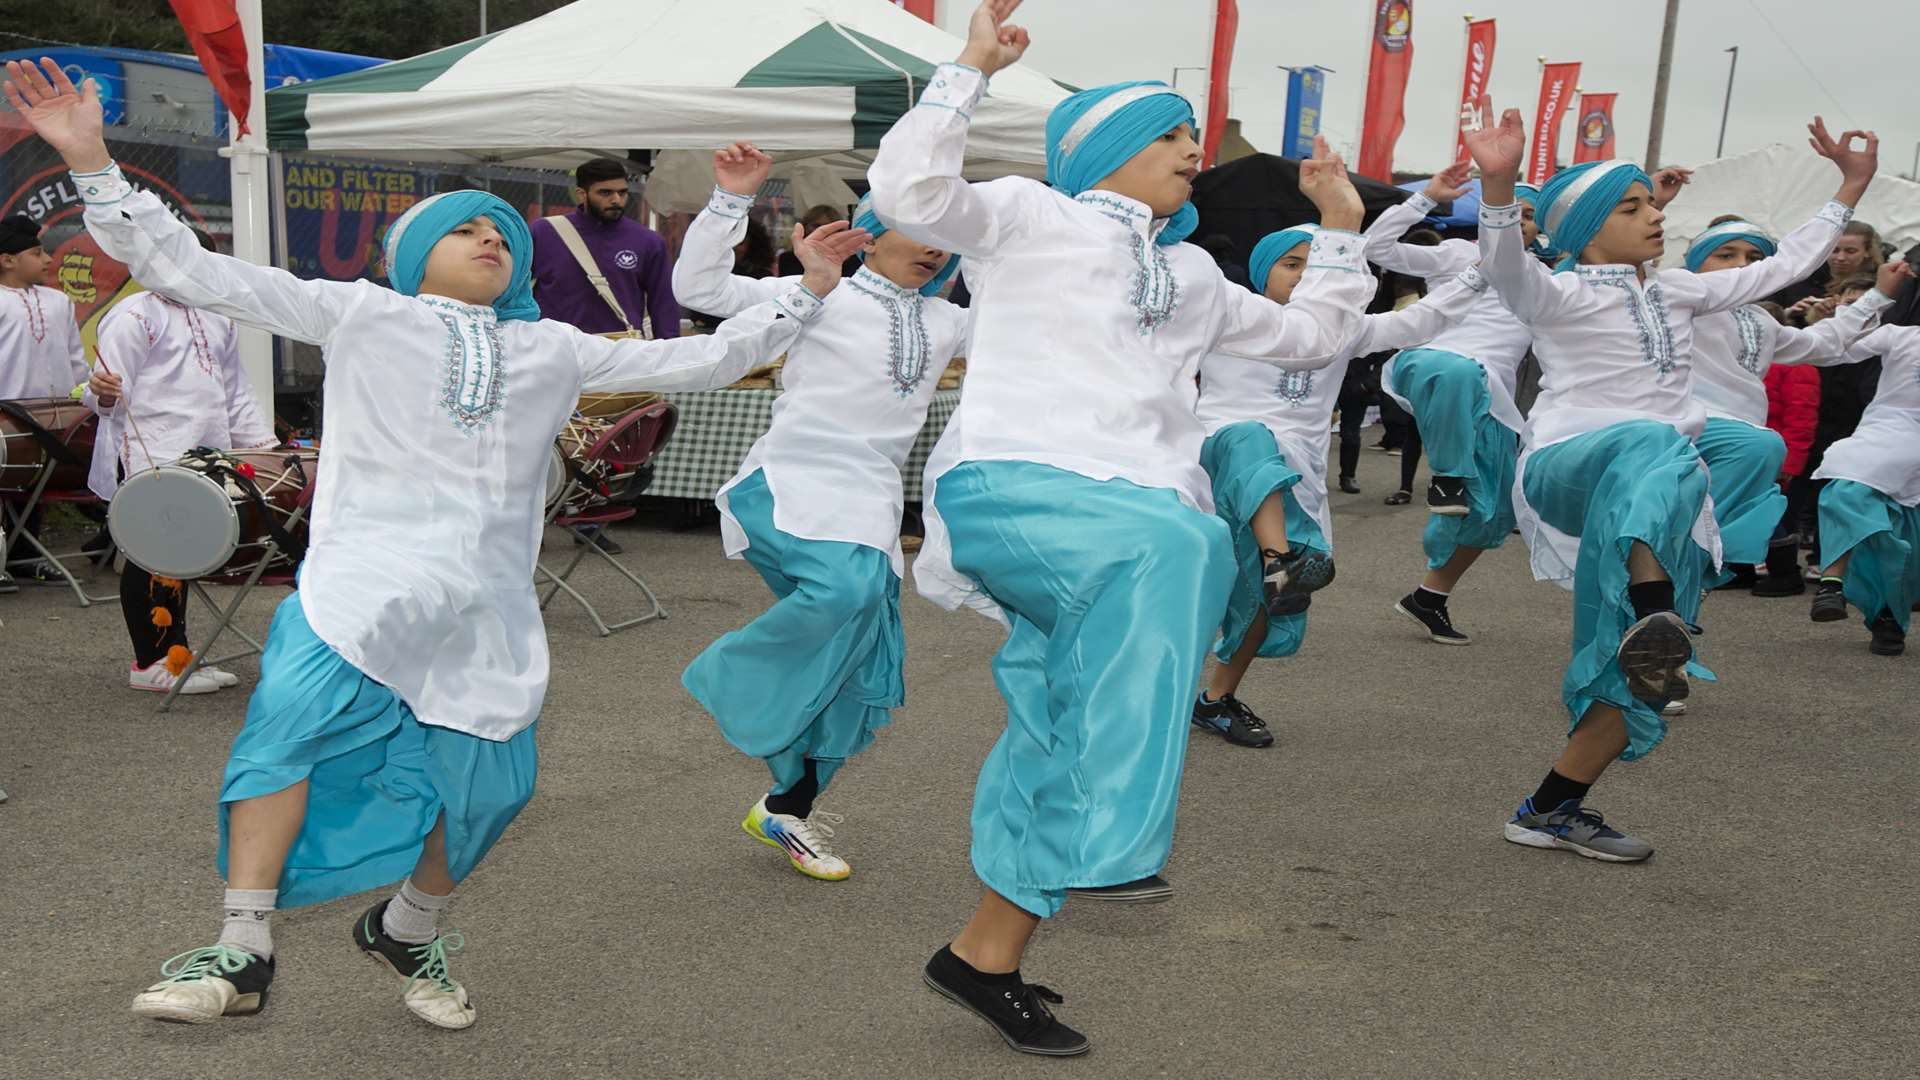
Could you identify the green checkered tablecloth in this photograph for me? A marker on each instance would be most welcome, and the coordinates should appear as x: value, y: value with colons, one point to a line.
x: 718, y: 427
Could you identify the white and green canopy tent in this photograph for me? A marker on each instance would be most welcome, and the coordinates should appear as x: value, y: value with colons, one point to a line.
x: 805, y: 79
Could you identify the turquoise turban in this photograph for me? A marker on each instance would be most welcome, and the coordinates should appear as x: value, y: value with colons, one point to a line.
x: 1528, y: 194
x: 1575, y: 203
x: 1094, y: 132
x: 1272, y: 248
x: 865, y: 218
x: 411, y: 238
x: 1724, y: 233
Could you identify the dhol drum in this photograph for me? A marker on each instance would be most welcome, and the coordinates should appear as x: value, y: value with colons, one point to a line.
x: 212, y: 513
x: 600, y: 483
x: 37, y: 432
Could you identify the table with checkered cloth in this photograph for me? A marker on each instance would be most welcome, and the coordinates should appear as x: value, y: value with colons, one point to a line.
x: 718, y: 427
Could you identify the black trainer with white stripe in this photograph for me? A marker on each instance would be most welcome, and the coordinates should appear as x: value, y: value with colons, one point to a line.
x: 1438, y: 623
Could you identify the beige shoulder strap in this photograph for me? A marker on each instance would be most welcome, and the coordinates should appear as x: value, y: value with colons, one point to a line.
x: 570, y: 236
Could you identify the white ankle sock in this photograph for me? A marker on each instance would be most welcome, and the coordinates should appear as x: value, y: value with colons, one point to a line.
x: 412, y: 915
x: 249, y: 920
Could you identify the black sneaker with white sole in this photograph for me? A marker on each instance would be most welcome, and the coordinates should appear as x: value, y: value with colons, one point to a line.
x: 1447, y: 495
x: 1017, y: 1010
x: 426, y: 988
x: 1152, y: 889
x: 206, y: 984
x: 1438, y: 621
x: 1888, y: 638
x: 1653, y: 656
x: 1291, y: 579
x: 1232, y: 720
x: 1829, y: 602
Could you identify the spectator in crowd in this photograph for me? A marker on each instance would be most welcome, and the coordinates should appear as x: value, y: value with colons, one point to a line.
x: 631, y: 258
x: 1858, y: 253
x: 1793, y: 410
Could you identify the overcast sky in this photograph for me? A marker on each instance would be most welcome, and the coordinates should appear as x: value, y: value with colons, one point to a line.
x: 1862, y: 51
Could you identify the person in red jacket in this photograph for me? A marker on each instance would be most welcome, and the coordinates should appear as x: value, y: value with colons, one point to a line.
x: 1793, y: 410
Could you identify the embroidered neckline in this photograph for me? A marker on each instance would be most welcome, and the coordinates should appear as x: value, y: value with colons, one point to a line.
x: 199, y: 342
x: 1294, y: 387
x: 1155, y: 292
x: 473, y: 370
x: 1611, y: 270
x: 36, y: 314
x: 483, y: 312
x: 909, y: 346
x: 1648, y: 309
x: 871, y: 279
x: 1118, y: 207
x: 1747, y: 321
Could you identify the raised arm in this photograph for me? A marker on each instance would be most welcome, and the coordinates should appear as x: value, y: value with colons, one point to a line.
x: 703, y: 277
x: 1826, y: 342
x: 1383, y: 238
x: 1419, y: 323
x: 915, y: 176
x: 1526, y: 287
x: 1325, y: 313
x: 135, y: 228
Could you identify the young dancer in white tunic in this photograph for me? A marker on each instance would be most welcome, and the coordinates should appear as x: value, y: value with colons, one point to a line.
x: 816, y: 509
x: 1611, y: 490
x: 40, y: 351
x: 1066, y: 495
x: 392, y: 729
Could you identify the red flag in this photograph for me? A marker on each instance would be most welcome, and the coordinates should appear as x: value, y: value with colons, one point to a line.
x: 1479, y: 68
x: 1556, y: 93
x: 213, y: 26
x: 922, y: 8
x: 1226, y: 24
x: 1593, y: 137
x: 1386, y: 87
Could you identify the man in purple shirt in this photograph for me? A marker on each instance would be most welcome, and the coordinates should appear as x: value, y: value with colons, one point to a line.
x: 632, y: 257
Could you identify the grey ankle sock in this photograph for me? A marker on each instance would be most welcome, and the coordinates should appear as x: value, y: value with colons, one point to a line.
x: 413, y: 916
x: 249, y: 920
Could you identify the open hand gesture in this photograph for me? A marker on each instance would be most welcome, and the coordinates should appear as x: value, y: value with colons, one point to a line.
x: 741, y: 168
x: 1323, y: 179
x: 1450, y: 183
x: 992, y: 43
x: 1668, y: 182
x: 68, y: 118
x: 822, y: 251
x: 1498, y: 149
x: 1854, y: 164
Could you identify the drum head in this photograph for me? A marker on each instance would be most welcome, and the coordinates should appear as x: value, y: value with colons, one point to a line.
x: 556, y: 476
x: 174, y: 522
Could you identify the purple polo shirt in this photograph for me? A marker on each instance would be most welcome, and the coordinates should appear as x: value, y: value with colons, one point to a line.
x: 634, y: 260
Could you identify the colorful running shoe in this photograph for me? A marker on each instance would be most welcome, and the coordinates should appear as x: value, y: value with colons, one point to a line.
x: 804, y: 839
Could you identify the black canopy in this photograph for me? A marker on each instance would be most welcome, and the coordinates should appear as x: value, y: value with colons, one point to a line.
x: 1246, y: 199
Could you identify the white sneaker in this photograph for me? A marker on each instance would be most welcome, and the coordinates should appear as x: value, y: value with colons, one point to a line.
x: 206, y: 984
x: 159, y: 680
x: 426, y: 988
x: 224, y: 678
x: 804, y: 839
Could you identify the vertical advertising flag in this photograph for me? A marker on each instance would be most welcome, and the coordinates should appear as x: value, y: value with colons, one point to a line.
x: 1478, y: 68
x: 213, y: 28
x: 1226, y: 24
x: 922, y: 8
x: 1556, y: 94
x: 1392, y: 60
x: 1593, y: 135
x: 1306, y: 89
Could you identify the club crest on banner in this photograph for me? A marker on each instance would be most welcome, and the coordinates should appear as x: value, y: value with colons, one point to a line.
x: 1596, y: 127
x: 1393, y: 24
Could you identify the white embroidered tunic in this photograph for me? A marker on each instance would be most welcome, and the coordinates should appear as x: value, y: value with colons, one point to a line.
x: 1733, y: 349
x: 432, y: 479
x: 1087, y: 335
x: 1884, y: 451
x: 181, y: 383
x: 40, y: 351
x: 1490, y: 333
x: 855, y: 390
x: 1297, y: 406
x: 1613, y: 348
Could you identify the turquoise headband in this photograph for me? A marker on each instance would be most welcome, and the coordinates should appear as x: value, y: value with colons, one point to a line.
x: 1094, y: 132
x: 1725, y: 233
x: 1575, y: 203
x: 410, y: 240
x: 865, y: 218
x: 1272, y: 248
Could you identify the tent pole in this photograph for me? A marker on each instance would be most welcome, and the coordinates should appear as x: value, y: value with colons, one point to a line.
x: 1720, y: 148
x: 252, y: 199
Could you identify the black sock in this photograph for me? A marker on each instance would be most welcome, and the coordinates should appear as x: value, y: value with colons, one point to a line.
x: 1557, y: 789
x: 1831, y: 584
x: 993, y: 978
x: 798, y: 799
x: 1649, y: 597
x: 1428, y: 599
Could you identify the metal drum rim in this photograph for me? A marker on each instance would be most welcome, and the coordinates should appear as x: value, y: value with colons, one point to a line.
x: 225, y: 499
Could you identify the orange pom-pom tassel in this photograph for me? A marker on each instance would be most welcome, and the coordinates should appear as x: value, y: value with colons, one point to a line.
x: 167, y: 583
x: 162, y: 618
x: 178, y: 658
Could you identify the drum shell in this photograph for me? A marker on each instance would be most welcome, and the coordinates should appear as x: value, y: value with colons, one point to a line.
x: 283, y: 489
x: 22, y: 455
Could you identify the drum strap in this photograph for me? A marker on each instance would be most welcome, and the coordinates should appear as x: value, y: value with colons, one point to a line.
x: 55, y: 448
x: 220, y: 468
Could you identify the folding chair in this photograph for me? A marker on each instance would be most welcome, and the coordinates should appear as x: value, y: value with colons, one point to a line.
x: 16, y: 516
x: 584, y: 510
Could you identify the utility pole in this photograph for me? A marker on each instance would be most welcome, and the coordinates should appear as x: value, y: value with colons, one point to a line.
x: 1662, y: 76
x: 1720, y: 148
x: 483, y: 18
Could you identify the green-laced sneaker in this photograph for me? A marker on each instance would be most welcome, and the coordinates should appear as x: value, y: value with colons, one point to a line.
x: 426, y: 989
x: 206, y: 984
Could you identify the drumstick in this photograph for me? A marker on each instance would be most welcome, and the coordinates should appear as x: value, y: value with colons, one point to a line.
x: 144, y: 452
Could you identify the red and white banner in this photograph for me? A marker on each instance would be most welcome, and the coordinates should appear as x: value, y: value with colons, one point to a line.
x: 1392, y: 60
x: 1479, y: 68
x: 1556, y: 95
x: 1593, y: 135
x: 213, y: 28
x: 1226, y: 24
x: 922, y: 8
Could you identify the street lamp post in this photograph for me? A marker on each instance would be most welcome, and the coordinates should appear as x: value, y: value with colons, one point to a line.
x: 1720, y: 148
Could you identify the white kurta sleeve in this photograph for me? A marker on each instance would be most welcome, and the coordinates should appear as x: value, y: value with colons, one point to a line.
x: 1309, y: 330
x: 1385, y: 250
x: 76, y: 353
x: 1419, y: 323
x: 1826, y: 342
x: 136, y: 228
x: 123, y: 341
x: 1532, y: 292
x: 703, y: 277
x: 915, y: 175
x: 696, y: 362
x: 1801, y: 253
x: 247, y: 424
